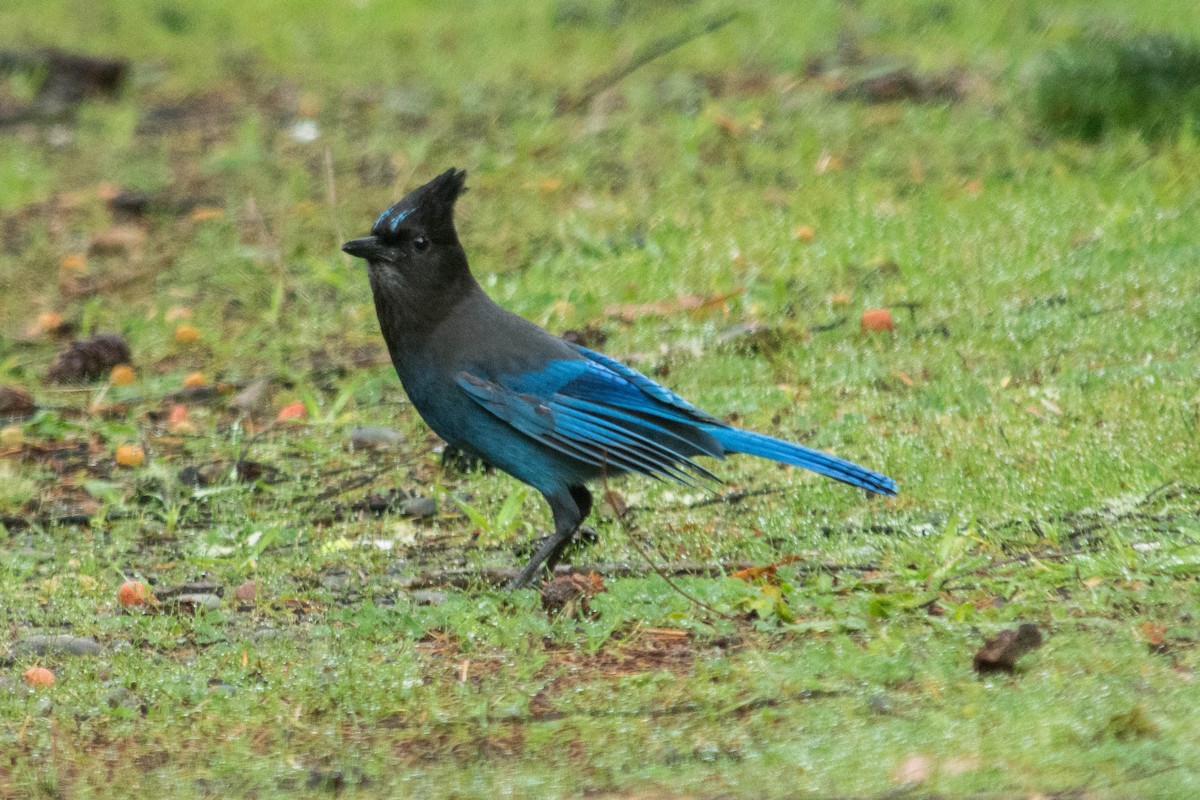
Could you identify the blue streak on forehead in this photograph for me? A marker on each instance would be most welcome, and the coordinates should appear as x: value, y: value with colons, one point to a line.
x: 392, y: 218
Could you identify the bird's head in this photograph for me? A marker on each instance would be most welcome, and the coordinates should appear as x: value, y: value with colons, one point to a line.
x: 414, y: 242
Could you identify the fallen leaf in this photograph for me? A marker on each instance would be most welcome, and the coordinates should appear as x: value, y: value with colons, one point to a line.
x: 903, y: 84
x: 1000, y: 653
x: 1051, y: 406
x: 88, y: 359
x: 691, y: 302
x: 750, y: 574
x: 73, y: 262
x: 206, y: 213
x: 569, y: 594
x: 251, y: 398
x: 1155, y: 634
x: 728, y: 124
x: 117, y: 240
x: 839, y: 299
x: 916, y: 768
x: 15, y: 402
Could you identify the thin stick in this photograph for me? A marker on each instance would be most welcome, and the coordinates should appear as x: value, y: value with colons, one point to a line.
x: 641, y: 552
x: 646, y: 557
x: 331, y: 199
x: 644, y: 55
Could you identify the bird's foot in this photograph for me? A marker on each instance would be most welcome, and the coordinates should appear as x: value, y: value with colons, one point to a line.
x: 548, y: 551
x: 585, y: 536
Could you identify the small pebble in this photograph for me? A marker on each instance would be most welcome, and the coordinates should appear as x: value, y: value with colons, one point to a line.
x: 56, y: 644
x: 370, y: 437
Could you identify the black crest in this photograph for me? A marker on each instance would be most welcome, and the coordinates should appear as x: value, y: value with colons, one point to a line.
x: 429, y: 207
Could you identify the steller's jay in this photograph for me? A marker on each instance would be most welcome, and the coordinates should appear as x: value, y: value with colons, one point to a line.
x: 550, y: 413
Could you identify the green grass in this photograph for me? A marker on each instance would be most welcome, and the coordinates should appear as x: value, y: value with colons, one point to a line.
x: 1037, y: 404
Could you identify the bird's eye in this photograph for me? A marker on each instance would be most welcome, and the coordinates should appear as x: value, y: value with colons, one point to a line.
x: 421, y: 242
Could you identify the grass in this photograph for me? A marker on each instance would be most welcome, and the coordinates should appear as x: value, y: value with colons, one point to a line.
x: 1098, y: 83
x: 1037, y: 404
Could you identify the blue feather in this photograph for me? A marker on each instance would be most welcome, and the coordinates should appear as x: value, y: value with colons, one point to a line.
x: 392, y: 217
x: 610, y: 416
x: 737, y: 440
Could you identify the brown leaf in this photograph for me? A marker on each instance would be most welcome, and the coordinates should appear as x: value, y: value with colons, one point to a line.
x: 568, y: 593
x: 903, y: 84
x: 1000, y: 653
x: 117, y: 240
x: 89, y: 359
x: 15, y: 402
x: 591, y: 336
x: 616, y: 503
x: 1153, y: 633
x: 750, y: 574
x: 252, y: 398
x: 916, y: 768
x: 688, y: 302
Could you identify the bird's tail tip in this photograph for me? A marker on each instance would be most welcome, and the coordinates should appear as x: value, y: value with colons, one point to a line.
x: 736, y: 440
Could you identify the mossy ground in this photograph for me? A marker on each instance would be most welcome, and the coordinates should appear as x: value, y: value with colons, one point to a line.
x: 1037, y: 403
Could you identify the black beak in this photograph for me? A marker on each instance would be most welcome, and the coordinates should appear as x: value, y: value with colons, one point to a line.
x: 368, y: 247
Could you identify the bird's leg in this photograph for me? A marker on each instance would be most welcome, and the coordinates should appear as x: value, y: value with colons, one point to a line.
x: 583, y: 502
x: 568, y: 511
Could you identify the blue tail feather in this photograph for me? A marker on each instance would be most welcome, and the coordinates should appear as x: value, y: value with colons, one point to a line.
x: 736, y: 440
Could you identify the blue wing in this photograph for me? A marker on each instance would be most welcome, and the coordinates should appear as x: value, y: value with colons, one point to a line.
x: 548, y: 407
x: 612, y: 417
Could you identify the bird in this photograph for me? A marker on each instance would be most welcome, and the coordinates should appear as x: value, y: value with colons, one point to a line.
x: 551, y: 413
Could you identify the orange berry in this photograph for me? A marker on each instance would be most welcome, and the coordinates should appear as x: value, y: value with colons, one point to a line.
x: 133, y: 593
x: 38, y: 677
x: 45, y: 322
x: 73, y: 262
x: 195, y: 380
x: 177, y: 420
x: 804, y: 233
x: 122, y: 375
x: 130, y: 455
x: 293, y: 411
x: 877, y: 319
x: 186, y: 334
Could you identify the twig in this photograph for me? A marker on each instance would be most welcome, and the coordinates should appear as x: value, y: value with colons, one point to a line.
x: 460, y: 577
x: 657, y: 569
x: 620, y: 515
x: 331, y: 199
x: 732, y: 498
x: 644, y: 55
x: 829, y: 326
